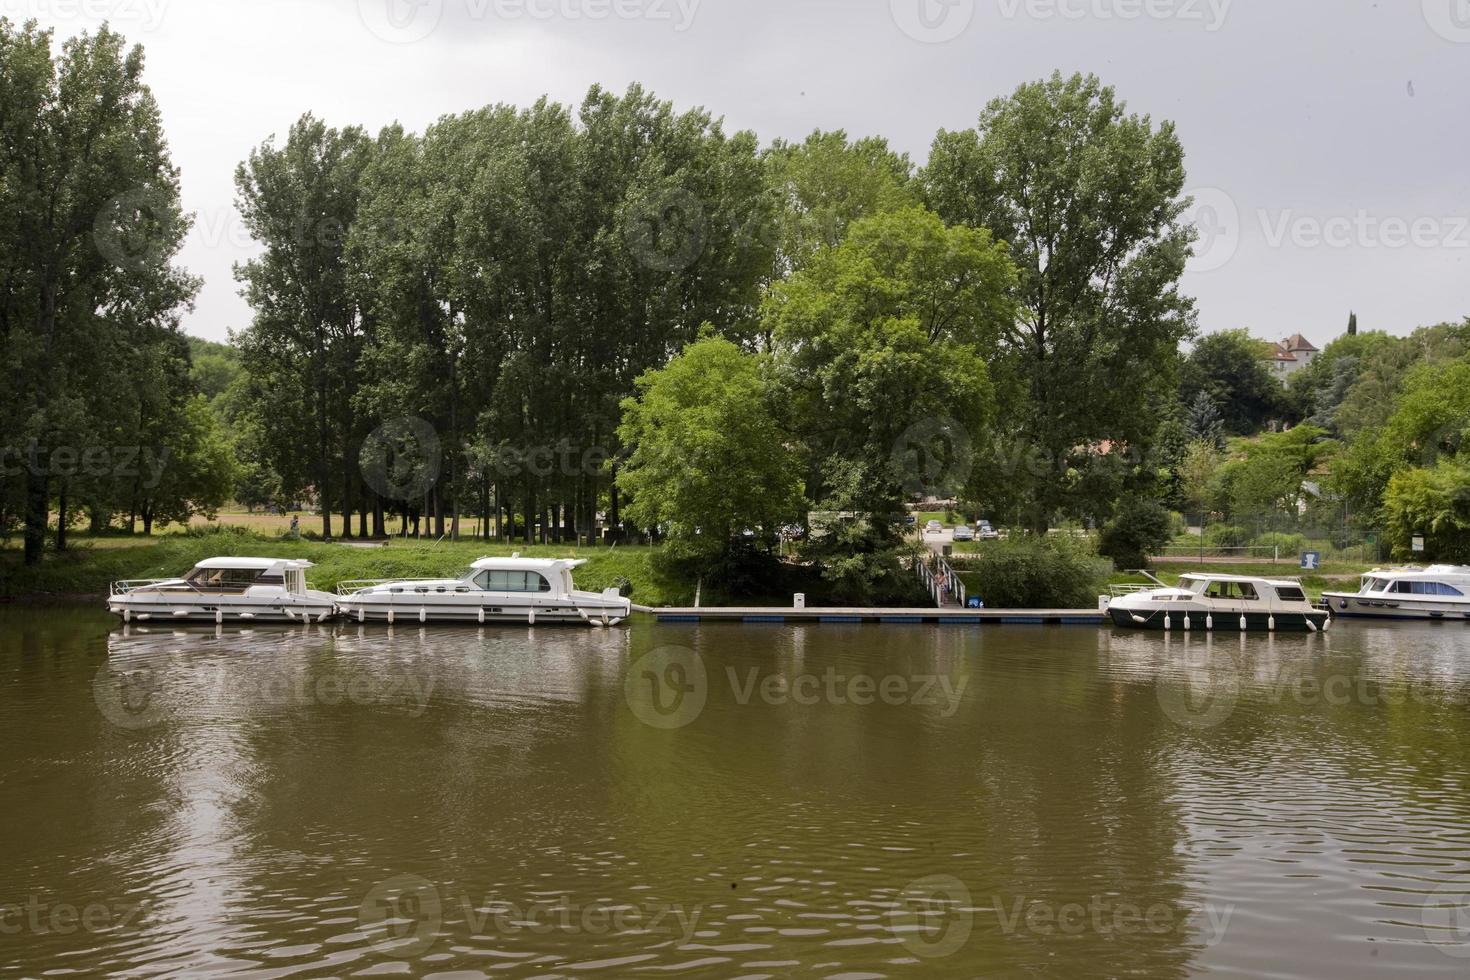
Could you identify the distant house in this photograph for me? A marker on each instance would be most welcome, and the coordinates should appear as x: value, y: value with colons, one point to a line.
x: 1290, y: 356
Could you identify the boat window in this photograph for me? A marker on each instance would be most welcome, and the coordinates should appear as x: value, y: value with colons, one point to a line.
x: 1190, y: 585
x: 1218, y: 590
x: 502, y: 581
x: 1290, y: 594
x: 1429, y: 588
x: 224, y: 578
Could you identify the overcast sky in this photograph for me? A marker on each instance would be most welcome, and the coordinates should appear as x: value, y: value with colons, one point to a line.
x: 1328, y: 140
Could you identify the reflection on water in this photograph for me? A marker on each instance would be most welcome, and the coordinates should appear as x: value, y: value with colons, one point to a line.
x: 731, y: 801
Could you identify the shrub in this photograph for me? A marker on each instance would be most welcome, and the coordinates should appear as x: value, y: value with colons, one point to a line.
x: 1290, y: 544
x: 1136, y: 534
x: 1225, y: 536
x: 1025, y: 572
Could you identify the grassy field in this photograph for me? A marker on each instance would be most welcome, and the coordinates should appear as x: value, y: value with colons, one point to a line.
x: 93, y: 564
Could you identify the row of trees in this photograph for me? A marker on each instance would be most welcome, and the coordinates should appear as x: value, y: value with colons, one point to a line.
x: 509, y: 275
x: 1369, y: 439
x: 98, y: 409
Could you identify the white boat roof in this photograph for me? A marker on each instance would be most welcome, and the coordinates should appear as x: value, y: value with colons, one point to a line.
x: 519, y: 564
x: 1250, y: 579
x: 1433, y: 571
x: 254, y: 564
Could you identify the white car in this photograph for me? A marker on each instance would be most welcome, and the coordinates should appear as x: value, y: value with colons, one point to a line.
x: 963, y: 533
x: 988, y: 533
x: 933, y: 527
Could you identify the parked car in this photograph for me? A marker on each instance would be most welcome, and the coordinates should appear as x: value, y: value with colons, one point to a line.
x: 985, y: 532
x: 933, y: 527
x: 963, y: 533
x: 911, y: 520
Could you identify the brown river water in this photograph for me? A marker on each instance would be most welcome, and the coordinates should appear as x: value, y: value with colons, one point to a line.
x: 731, y: 801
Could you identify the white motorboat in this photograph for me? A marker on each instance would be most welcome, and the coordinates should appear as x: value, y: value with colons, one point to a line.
x: 226, y: 590
x: 1439, y: 592
x: 1220, y: 603
x: 493, y: 590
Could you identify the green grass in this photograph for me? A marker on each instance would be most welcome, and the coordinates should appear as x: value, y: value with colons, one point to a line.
x: 89, y: 569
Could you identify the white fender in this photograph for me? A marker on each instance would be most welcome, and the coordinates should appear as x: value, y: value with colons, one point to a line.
x: 180, y: 613
x: 1243, y: 624
x: 531, y: 616
x: 1210, y: 621
x: 290, y: 614
x: 1311, y: 625
x: 423, y: 614
x: 482, y: 616
x: 219, y: 616
x: 1186, y: 623
x: 390, y: 616
x: 127, y: 615
x: 1271, y: 624
x: 1168, y: 623
x: 362, y: 614
x: 144, y: 617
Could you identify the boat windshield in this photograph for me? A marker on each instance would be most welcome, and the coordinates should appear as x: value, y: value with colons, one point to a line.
x: 1195, y: 585
x: 224, y: 578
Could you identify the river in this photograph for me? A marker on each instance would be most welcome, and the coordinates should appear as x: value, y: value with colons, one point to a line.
x: 731, y: 800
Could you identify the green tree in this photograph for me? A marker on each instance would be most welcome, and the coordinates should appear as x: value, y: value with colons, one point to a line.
x: 1230, y: 368
x: 708, y: 459
x: 1089, y: 199
x: 882, y: 344
x: 1433, y: 502
x: 91, y: 225
x: 299, y: 201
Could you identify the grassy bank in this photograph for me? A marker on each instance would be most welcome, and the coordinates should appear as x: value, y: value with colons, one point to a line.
x: 90, y: 568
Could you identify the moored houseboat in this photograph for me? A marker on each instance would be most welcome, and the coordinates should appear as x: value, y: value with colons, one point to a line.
x: 226, y: 590
x: 1220, y: 603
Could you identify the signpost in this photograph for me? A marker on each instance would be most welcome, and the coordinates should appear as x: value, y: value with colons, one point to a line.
x: 1418, y: 544
x: 1311, y: 561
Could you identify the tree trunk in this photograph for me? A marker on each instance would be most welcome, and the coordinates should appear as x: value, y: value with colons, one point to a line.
x: 61, y: 520
x: 38, y: 499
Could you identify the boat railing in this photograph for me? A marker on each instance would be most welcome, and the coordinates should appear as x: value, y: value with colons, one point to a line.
x: 126, y: 586
x: 354, y: 586
x: 1119, y: 591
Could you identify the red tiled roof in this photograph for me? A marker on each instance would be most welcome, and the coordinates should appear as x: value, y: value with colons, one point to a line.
x: 1296, y: 342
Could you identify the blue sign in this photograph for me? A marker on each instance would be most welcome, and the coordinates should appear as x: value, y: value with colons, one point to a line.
x: 1311, y: 561
x: 976, y: 602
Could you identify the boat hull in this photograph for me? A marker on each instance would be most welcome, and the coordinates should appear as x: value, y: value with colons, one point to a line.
x: 1204, y: 622
x: 136, y: 609
x: 550, y: 614
x: 1424, y: 610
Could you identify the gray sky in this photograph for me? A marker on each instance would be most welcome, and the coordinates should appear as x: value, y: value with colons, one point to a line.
x: 1329, y: 138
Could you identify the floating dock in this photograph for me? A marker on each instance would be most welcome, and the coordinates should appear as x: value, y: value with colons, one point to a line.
x: 895, y: 617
